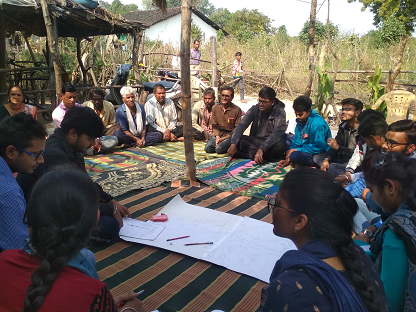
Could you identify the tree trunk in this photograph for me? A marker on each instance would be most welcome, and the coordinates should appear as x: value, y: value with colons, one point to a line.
x: 214, y: 77
x: 186, y: 89
x: 311, y: 51
x: 81, y: 64
x: 136, y: 46
x: 3, y: 54
x: 52, y: 46
x: 393, y: 74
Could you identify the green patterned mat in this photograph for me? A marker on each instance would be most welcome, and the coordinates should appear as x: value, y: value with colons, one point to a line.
x: 176, y: 151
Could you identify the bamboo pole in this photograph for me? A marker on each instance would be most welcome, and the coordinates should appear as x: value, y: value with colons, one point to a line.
x: 52, y: 45
x: 214, y: 77
x: 186, y: 89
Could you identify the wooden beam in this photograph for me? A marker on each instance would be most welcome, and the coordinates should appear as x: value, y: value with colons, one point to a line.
x: 186, y: 89
x: 52, y: 45
x: 214, y: 77
x: 3, y: 85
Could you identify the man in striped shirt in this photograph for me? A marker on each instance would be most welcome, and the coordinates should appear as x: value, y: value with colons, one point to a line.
x: 161, y: 116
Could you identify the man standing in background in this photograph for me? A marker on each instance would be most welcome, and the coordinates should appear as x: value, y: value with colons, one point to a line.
x: 195, y: 57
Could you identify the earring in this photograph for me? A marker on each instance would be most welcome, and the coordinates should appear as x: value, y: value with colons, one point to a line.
x: 296, y: 230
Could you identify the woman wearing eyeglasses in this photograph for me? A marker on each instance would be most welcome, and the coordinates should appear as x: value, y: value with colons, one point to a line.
x: 16, y: 105
x: 328, y: 272
x: 391, y: 178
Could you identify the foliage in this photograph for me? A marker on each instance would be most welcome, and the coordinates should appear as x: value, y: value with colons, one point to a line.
x: 196, y: 32
x: 320, y: 32
x: 149, y: 76
x: 104, y: 4
x: 117, y: 7
x: 390, y: 32
x: 376, y: 90
x: 324, y: 89
x: 204, y: 6
x: 403, y: 10
x: 246, y: 24
x: 220, y: 35
x: 221, y: 17
x: 67, y: 62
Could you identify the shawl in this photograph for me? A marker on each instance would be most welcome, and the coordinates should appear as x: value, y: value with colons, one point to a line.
x: 135, y: 128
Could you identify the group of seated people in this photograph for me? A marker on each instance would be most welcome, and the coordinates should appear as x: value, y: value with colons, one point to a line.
x: 52, y: 209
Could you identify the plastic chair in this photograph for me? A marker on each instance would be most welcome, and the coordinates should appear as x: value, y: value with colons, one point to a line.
x: 398, y: 103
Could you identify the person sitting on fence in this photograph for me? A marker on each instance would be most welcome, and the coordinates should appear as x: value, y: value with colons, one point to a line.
x: 342, y: 147
x: 225, y: 118
x: 52, y: 272
x: 266, y: 141
x: 372, y: 131
x: 16, y: 105
x: 238, y: 73
x: 328, y: 272
x: 68, y: 100
x: 162, y: 117
x: 132, y: 120
x: 201, y: 116
x: 311, y: 135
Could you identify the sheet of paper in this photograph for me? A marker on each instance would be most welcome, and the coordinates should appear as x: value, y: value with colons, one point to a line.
x: 139, y: 229
x: 241, y: 244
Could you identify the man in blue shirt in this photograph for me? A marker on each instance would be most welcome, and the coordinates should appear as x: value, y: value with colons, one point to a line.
x: 311, y: 135
x: 22, y: 141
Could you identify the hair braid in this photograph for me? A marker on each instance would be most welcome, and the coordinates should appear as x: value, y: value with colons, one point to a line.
x: 349, y: 254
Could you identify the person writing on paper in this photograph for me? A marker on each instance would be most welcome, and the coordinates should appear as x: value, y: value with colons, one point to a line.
x: 328, y: 272
x: 132, y: 119
x: 50, y: 273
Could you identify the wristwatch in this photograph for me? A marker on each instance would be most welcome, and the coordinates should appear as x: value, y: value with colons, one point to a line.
x: 367, y: 233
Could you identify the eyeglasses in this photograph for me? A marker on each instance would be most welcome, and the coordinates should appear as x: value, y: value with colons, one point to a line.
x: 346, y: 109
x: 31, y: 154
x: 391, y: 144
x: 271, y: 205
x: 263, y: 102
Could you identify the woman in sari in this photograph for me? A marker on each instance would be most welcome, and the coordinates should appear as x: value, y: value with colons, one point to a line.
x: 51, y: 273
x: 16, y: 105
x: 328, y: 272
x: 391, y: 177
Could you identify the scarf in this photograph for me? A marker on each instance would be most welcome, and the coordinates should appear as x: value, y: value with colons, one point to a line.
x: 342, y: 296
x: 206, y: 121
x: 403, y: 224
x: 135, y: 129
x: 79, y: 262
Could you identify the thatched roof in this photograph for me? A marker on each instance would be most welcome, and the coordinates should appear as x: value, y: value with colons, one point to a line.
x: 152, y: 17
x: 73, y: 19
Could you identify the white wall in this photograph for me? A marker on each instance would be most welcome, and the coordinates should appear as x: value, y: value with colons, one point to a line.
x: 169, y: 30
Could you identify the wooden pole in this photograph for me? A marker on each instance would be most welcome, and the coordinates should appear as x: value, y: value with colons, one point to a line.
x: 52, y: 45
x: 80, y: 63
x: 136, y: 47
x: 186, y: 89
x: 311, y: 51
x: 3, y: 85
x: 214, y: 66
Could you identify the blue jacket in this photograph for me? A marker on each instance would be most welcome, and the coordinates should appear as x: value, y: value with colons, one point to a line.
x: 311, y: 137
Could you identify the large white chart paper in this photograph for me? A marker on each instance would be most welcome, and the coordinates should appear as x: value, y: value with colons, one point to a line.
x: 241, y: 244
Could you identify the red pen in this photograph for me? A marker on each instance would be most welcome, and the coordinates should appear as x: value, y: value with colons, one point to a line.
x: 121, y: 303
x: 171, y: 239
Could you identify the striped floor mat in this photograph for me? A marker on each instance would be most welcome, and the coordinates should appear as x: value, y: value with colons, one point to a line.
x: 174, y: 282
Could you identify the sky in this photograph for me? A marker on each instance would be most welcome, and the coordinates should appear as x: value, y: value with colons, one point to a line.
x: 294, y: 13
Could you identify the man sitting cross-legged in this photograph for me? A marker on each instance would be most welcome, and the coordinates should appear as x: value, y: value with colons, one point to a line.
x: 311, y: 135
x: 78, y: 131
x: 22, y: 141
x: 201, y: 116
x: 162, y: 117
x: 225, y: 118
x: 132, y: 119
x: 106, y: 111
x: 342, y: 147
x: 266, y: 141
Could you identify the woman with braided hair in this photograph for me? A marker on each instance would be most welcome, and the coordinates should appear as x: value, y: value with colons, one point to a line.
x: 391, y: 177
x: 328, y: 272
x: 51, y: 273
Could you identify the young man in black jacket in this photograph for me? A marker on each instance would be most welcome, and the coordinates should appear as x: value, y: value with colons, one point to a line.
x: 342, y: 147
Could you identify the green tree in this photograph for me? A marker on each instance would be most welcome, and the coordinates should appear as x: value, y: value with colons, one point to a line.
x: 246, y: 24
x: 320, y: 32
x: 221, y: 17
x: 118, y: 8
x: 202, y: 5
x: 405, y: 12
x: 196, y: 32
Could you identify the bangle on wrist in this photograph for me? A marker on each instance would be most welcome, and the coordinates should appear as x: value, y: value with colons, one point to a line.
x: 115, y: 209
x: 348, y: 179
x: 128, y: 308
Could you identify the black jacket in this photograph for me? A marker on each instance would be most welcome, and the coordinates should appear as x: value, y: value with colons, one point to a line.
x: 344, y: 153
